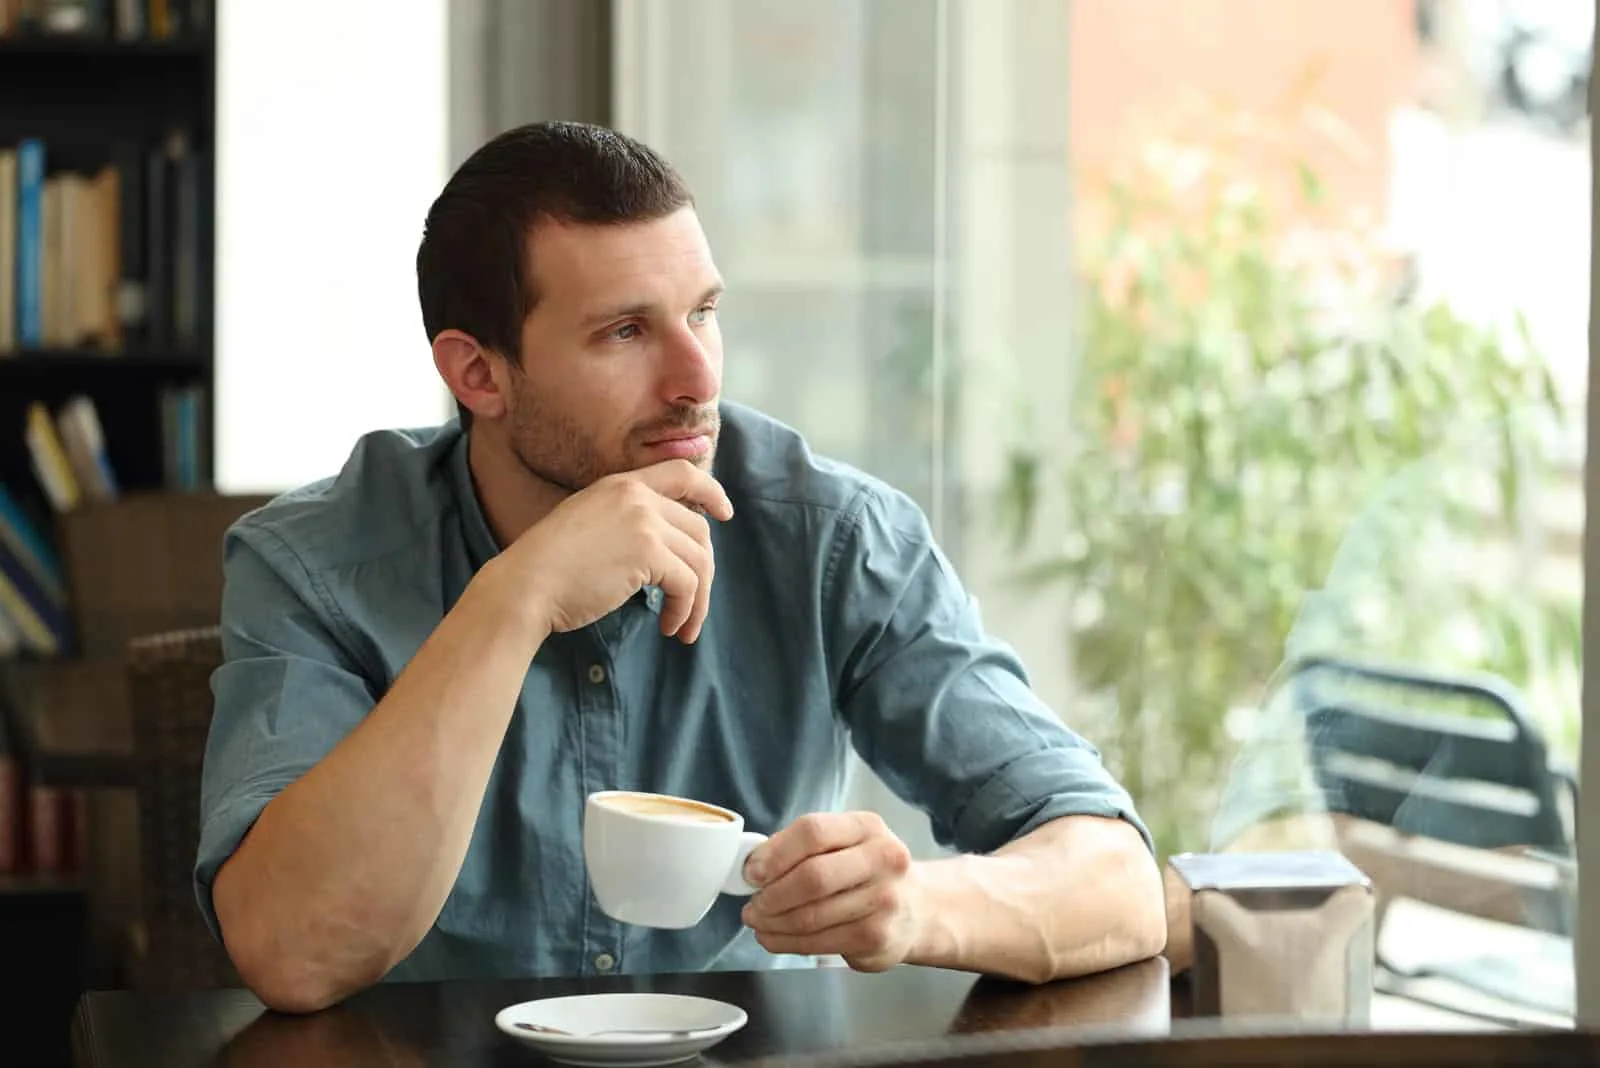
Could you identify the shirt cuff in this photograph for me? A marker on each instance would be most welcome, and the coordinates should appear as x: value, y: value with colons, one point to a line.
x: 219, y: 838
x: 1037, y: 788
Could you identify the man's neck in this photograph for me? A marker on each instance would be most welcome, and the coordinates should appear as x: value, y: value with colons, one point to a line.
x: 512, y: 498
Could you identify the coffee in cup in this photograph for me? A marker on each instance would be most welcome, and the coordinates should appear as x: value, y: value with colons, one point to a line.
x: 673, y: 807
x: 662, y: 861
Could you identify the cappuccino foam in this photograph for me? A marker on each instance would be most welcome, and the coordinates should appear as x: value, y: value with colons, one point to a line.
x: 669, y: 807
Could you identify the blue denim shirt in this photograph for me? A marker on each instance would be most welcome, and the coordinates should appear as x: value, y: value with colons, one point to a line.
x: 835, y: 621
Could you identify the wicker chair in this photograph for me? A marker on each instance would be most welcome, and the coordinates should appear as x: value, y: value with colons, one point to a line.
x: 169, y: 702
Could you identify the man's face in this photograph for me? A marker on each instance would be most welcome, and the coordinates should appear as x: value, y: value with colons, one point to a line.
x: 621, y: 357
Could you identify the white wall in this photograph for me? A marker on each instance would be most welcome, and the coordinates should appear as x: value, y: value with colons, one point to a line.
x: 331, y: 144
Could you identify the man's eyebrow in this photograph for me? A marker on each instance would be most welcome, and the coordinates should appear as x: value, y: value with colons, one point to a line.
x: 630, y: 311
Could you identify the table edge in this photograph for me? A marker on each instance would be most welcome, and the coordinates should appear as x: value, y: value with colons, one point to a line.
x: 975, y: 1047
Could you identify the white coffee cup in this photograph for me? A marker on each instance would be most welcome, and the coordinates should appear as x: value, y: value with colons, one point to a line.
x: 661, y: 861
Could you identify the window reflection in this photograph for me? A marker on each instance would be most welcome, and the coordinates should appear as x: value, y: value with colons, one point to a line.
x: 1303, y: 382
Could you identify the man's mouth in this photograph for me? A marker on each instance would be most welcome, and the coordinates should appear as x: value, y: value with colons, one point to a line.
x: 685, y: 444
x: 681, y: 435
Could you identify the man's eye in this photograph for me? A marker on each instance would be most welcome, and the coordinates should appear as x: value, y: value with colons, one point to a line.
x: 625, y: 332
x: 701, y: 314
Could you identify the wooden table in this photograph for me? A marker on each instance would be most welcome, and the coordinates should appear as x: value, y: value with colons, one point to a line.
x: 792, y: 1013
x: 817, y: 1018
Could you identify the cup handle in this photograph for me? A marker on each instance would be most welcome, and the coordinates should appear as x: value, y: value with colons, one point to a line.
x: 735, y: 883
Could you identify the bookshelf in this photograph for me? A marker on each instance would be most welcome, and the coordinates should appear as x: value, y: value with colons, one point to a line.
x: 125, y: 316
x: 116, y: 98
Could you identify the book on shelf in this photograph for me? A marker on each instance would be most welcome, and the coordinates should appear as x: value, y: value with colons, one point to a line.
x: 185, y: 427
x: 68, y: 454
x: 72, y: 463
x: 48, y: 457
x: 28, y: 256
x: 37, y: 621
x: 11, y: 796
x: 118, y: 20
x: 44, y: 830
x: 9, y: 205
x: 33, y: 592
x: 106, y: 257
x: 10, y: 813
x: 24, y: 539
x: 78, y: 427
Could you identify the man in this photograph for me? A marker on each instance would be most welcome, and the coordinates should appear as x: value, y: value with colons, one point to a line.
x: 432, y: 658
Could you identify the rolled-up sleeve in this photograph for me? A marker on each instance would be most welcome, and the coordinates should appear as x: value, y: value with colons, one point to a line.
x: 942, y: 711
x: 285, y: 695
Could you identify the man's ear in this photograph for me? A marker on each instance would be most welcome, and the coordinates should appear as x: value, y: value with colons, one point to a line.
x: 468, y: 370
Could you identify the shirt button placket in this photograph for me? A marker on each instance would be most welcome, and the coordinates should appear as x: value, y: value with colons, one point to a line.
x: 601, y: 734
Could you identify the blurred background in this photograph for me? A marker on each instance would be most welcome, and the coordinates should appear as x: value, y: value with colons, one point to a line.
x: 1235, y: 348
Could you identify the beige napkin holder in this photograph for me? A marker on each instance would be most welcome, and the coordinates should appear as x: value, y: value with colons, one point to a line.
x: 1286, y: 935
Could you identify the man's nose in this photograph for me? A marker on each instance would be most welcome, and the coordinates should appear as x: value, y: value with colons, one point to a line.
x: 692, y: 373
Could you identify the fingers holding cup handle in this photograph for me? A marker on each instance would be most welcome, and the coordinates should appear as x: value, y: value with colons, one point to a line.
x: 736, y: 883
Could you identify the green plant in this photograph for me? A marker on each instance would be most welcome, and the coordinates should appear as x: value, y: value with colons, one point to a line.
x: 1257, y: 407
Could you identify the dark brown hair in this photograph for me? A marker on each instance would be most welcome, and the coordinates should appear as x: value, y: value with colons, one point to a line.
x: 472, y: 264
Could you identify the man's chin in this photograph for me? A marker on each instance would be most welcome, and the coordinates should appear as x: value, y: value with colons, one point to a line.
x: 705, y: 462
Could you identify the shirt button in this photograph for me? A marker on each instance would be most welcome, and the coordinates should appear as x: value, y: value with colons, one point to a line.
x: 605, y: 962
x: 654, y: 597
x: 597, y: 674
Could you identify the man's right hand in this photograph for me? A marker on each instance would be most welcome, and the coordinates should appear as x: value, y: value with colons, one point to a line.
x: 598, y: 547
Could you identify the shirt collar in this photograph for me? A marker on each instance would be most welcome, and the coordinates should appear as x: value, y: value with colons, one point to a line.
x: 481, y: 544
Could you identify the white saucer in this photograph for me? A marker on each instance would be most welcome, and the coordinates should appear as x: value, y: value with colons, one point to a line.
x: 591, y: 1016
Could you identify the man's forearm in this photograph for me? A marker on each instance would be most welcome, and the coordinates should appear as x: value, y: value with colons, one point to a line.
x: 345, y: 870
x: 1077, y: 895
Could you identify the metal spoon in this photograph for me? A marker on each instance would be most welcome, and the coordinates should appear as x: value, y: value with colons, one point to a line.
x: 668, y: 1035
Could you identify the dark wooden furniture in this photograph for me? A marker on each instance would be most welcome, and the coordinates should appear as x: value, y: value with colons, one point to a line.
x: 169, y: 700
x: 144, y: 565
x: 149, y: 563
x: 68, y: 720
x: 792, y: 1013
x: 813, y: 1017
x: 43, y: 928
x: 1211, y: 1045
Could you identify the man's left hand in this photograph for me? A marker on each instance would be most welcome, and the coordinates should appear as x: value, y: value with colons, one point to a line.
x: 835, y: 883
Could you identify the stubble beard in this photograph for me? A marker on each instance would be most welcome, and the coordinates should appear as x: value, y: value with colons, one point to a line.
x: 554, y: 449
